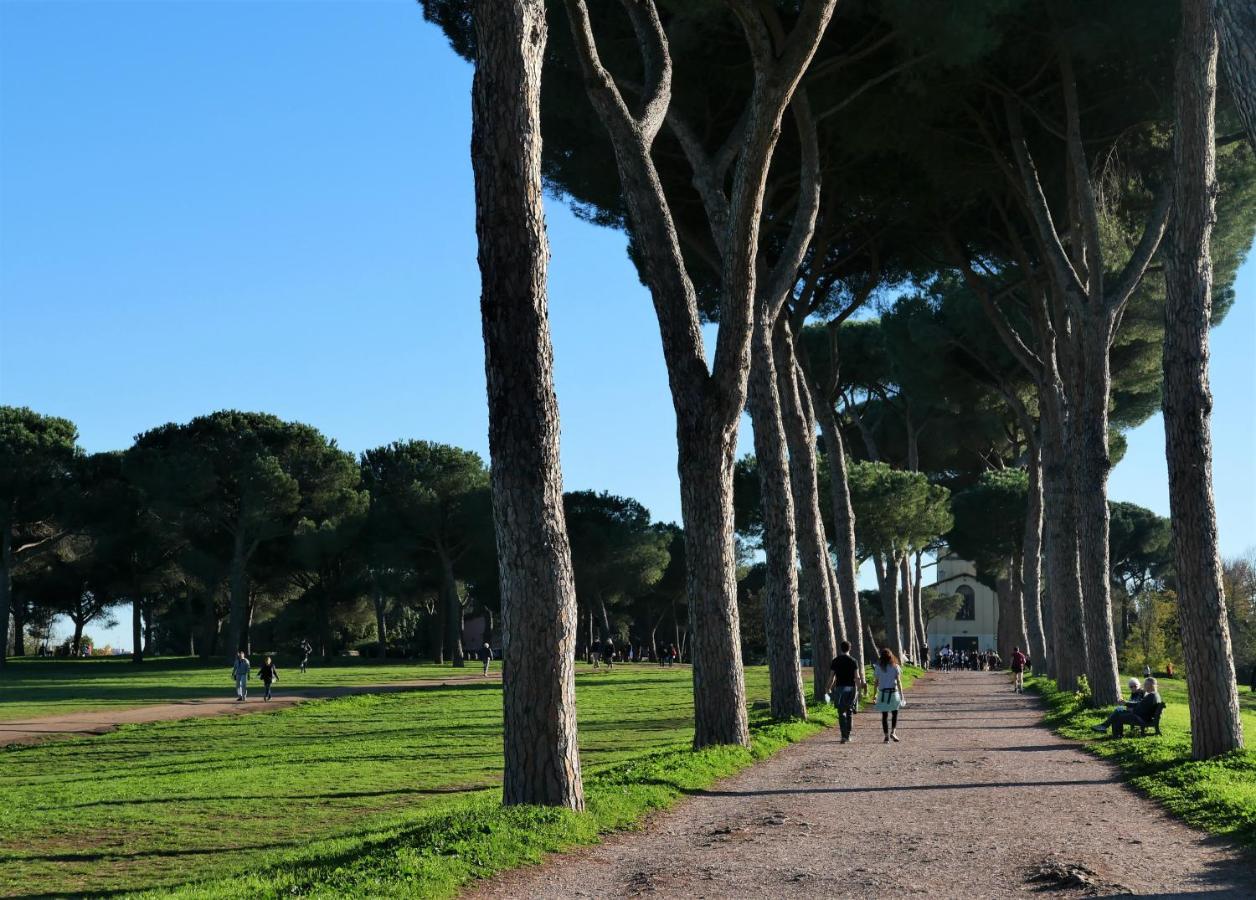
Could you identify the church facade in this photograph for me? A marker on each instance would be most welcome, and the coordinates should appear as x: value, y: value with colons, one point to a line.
x: 976, y: 624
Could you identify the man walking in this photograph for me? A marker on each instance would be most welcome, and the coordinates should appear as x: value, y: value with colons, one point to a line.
x: 846, y: 679
x: 240, y: 672
x: 487, y: 653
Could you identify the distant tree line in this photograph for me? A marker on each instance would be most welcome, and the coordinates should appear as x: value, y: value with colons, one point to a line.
x: 241, y: 530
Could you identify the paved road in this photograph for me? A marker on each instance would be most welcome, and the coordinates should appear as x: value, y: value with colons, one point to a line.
x: 101, y: 721
x: 978, y: 801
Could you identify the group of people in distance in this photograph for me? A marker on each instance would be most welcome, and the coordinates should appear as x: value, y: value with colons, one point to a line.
x: 949, y: 660
x: 606, y: 653
x: 846, y: 686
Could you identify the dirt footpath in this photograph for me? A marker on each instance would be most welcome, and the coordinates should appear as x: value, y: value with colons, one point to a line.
x: 102, y: 721
x: 979, y: 800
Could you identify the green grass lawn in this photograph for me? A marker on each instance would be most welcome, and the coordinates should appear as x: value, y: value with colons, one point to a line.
x: 45, y: 687
x: 367, y: 795
x: 1218, y: 795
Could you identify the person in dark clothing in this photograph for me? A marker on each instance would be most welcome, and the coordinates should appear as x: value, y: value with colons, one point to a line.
x: 268, y: 673
x: 1018, y: 670
x: 1138, y: 712
x: 1254, y: 679
x: 847, y: 680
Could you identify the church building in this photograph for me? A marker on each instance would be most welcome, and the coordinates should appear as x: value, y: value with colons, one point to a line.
x: 976, y: 624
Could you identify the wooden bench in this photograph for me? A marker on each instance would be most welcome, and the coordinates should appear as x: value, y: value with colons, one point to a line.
x: 1154, y: 722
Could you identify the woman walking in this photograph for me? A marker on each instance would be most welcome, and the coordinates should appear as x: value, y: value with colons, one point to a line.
x: 889, y: 677
x: 269, y: 674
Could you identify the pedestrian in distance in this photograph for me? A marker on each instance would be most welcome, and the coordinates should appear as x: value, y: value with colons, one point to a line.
x: 846, y: 679
x: 889, y: 675
x: 240, y: 674
x: 269, y: 674
x: 1018, y: 670
x: 306, y: 650
x: 487, y: 655
x: 1254, y: 679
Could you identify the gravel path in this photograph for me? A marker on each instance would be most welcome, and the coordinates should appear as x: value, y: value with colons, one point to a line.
x: 102, y: 721
x: 979, y: 800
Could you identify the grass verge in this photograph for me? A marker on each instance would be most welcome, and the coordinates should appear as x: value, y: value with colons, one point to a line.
x: 1218, y: 796
x: 31, y: 687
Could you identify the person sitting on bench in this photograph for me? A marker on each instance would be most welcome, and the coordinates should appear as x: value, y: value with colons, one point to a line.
x: 1140, y: 712
x: 1136, y: 690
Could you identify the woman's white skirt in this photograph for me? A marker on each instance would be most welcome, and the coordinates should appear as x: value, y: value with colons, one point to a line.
x: 889, y: 700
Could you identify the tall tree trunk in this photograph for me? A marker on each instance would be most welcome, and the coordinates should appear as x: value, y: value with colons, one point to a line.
x: 706, y: 498
x: 1003, y: 597
x: 18, y: 605
x: 1102, y: 669
x: 1031, y: 565
x: 780, y: 595
x: 209, y: 624
x: 381, y: 625
x: 238, y: 587
x: 137, y: 630
x: 452, y: 605
x: 918, y: 606
x: 77, y: 640
x: 1236, y: 23
x: 887, y: 578
x: 6, y: 588
x: 1021, y: 634
x: 606, y: 618
x: 800, y: 435
x: 150, y: 627
x: 1216, y: 727
x: 539, y: 617
x: 1068, y: 638
x: 906, y: 610
x: 846, y: 564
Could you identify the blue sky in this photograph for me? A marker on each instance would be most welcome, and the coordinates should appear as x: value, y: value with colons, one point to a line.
x: 269, y: 206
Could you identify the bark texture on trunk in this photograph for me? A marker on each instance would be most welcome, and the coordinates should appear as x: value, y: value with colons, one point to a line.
x: 1236, y: 24
x: 137, y: 630
x: 452, y: 603
x: 887, y: 580
x: 813, y: 548
x: 845, y: 561
x: 714, y: 637
x: 6, y: 588
x: 238, y: 587
x: 1102, y: 669
x: 1068, y: 638
x: 1216, y: 727
x: 1031, y: 566
x: 381, y: 625
x: 907, y: 610
x: 542, y: 761
x: 780, y: 595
